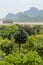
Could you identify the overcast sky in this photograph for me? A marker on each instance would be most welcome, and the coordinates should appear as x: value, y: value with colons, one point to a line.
x: 14, y: 6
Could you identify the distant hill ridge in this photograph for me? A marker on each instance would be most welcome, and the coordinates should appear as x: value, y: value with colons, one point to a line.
x: 31, y: 15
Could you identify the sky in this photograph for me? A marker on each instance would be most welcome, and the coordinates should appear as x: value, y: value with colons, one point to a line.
x: 14, y: 6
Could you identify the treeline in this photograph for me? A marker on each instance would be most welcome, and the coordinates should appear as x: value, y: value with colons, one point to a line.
x: 8, y: 31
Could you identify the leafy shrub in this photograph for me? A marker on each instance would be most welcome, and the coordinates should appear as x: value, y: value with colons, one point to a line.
x: 5, y: 63
x: 32, y: 58
x: 7, y: 46
x: 36, y: 43
x: 21, y: 37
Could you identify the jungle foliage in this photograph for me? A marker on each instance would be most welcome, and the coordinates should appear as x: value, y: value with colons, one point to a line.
x: 21, y: 44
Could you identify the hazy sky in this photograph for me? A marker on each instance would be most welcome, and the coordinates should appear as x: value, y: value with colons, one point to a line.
x: 14, y: 6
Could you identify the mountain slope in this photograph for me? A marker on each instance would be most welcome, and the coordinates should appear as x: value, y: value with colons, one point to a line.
x: 32, y: 15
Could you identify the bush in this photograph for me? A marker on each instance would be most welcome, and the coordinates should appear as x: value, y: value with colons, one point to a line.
x: 32, y: 58
x: 21, y: 37
x: 5, y: 63
x: 35, y: 43
x: 7, y: 46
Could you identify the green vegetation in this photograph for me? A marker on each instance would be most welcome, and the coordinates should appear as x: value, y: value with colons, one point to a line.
x: 21, y: 45
x: 21, y: 37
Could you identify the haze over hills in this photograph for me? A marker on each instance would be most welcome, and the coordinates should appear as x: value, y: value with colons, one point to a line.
x: 31, y: 15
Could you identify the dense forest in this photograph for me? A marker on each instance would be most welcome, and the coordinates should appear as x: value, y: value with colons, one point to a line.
x: 21, y: 44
